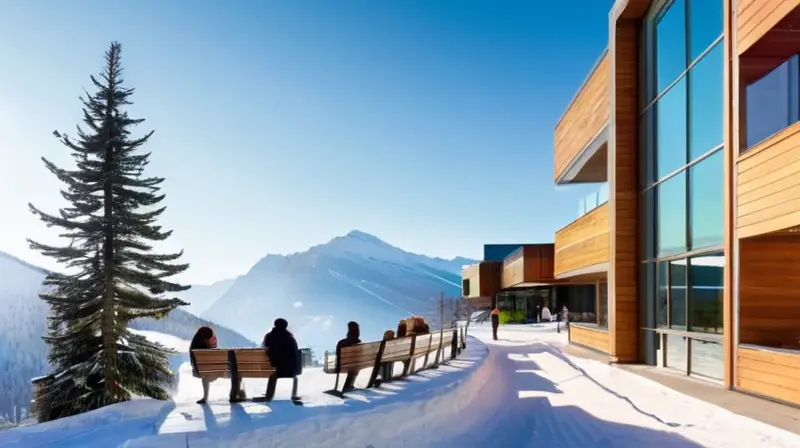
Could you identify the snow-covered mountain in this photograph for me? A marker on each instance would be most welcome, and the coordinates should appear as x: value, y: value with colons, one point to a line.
x: 201, y: 297
x: 23, y: 353
x: 354, y: 277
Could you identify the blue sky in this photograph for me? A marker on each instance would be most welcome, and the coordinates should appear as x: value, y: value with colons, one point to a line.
x: 280, y: 125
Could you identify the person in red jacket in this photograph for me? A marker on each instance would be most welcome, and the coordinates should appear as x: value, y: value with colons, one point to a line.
x: 495, y: 322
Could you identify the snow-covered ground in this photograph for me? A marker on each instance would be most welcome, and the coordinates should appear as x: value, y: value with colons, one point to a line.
x: 421, y: 400
x: 521, y: 390
x: 615, y: 395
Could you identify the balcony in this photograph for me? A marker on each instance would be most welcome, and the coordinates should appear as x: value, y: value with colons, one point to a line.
x: 582, y: 247
x: 581, y: 136
x: 530, y: 265
x: 481, y: 281
x: 768, y: 185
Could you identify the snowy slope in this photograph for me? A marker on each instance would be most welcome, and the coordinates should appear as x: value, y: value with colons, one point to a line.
x: 426, y: 399
x: 354, y: 277
x: 23, y: 354
x: 201, y: 297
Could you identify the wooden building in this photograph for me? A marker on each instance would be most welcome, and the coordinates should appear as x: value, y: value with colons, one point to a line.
x: 691, y: 120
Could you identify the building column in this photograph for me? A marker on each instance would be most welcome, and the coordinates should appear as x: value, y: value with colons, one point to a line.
x: 623, y: 169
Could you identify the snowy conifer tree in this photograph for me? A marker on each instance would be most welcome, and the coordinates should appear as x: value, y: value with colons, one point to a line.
x: 112, y: 275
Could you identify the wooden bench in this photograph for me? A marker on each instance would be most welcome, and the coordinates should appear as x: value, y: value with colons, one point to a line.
x: 355, y: 357
x: 421, y: 347
x: 211, y: 364
x: 449, y: 340
x: 406, y: 350
x: 237, y: 364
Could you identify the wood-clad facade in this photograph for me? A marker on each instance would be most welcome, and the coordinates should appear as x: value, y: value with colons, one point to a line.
x: 530, y: 264
x: 714, y: 276
x: 583, y: 123
x: 583, y: 243
x: 695, y: 256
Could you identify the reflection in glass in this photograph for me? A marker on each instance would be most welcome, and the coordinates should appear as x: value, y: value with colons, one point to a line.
x: 603, y: 305
x: 707, y: 359
x: 671, y: 44
x: 677, y: 294
x: 770, y: 104
x: 705, y: 103
x: 672, y: 215
x: 661, y: 304
x: 705, y: 299
x: 705, y: 25
x: 647, y: 137
x: 706, y: 216
x: 676, y: 352
x: 671, y: 130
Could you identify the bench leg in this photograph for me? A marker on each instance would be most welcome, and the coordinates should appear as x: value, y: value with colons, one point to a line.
x: 294, y: 388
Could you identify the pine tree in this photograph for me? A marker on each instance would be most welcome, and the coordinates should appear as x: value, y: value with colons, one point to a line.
x: 112, y: 275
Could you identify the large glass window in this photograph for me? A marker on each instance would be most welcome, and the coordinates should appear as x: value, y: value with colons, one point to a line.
x: 603, y: 315
x: 706, y: 189
x: 705, y: 25
x: 671, y: 44
x: 707, y: 358
x: 671, y: 130
x: 662, y: 294
x: 672, y: 215
x: 677, y: 294
x: 676, y: 352
x: 772, y: 102
x: 706, y: 103
x: 705, y: 294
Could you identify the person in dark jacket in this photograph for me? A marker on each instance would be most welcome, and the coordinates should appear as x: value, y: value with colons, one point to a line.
x: 283, y: 354
x: 495, y: 322
x: 352, y: 338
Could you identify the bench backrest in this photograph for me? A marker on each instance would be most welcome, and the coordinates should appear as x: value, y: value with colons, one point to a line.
x: 397, y: 350
x: 422, y: 346
x: 358, y: 356
x: 447, y: 338
x: 253, y: 363
x: 211, y: 362
x: 436, y: 340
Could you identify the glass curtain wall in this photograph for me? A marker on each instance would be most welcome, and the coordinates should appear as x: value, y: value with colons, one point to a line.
x: 681, y: 182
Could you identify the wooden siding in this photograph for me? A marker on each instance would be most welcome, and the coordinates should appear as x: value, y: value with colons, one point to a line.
x: 768, y: 185
x: 530, y: 264
x: 584, y: 242
x: 484, y: 279
x: 769, y: 373
x: 623, y: 196
x: 755, y: 18
x: 769, y: 287
x: 585, y: 117
x: 589, y: 337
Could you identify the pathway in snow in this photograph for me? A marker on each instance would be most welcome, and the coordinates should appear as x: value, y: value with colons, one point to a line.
x: 539, y: 396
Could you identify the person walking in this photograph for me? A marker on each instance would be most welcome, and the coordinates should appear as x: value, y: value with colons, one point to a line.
x: 495, y: 322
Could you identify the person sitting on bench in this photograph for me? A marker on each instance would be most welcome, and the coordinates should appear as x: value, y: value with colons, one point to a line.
x: 282, y: 352
x: 352, y: 338
x: 204, y: 338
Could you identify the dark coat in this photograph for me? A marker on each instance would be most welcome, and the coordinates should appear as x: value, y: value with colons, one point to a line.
x: 282, y: 351
x: 401, y: 330
x: 346, y: 342
x: 495, y: 320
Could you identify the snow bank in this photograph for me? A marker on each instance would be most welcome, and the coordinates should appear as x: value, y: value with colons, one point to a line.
x: 423, y: 400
